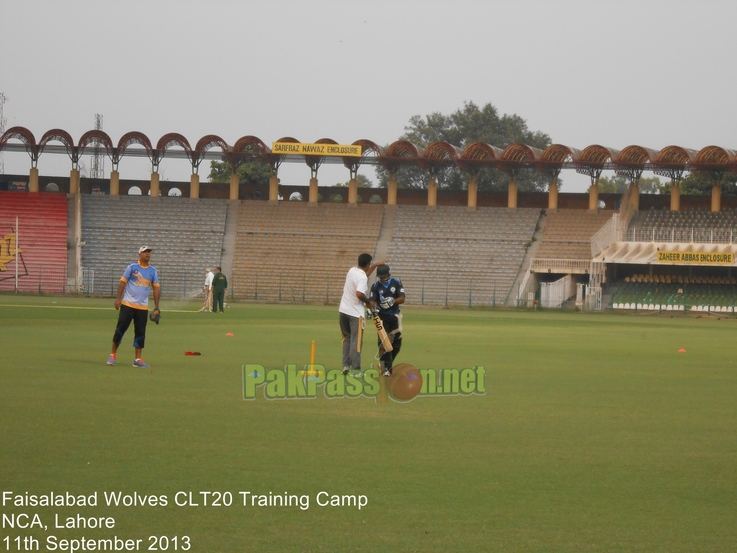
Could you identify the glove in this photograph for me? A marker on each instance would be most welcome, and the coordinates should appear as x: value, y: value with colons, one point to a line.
x: 155, y: 316
x: 386, y: 303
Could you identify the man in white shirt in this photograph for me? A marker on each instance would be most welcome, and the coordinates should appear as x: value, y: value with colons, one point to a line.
x: 355, y: 297
x: 207, y: 305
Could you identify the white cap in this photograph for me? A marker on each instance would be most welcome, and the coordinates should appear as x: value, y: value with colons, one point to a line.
x: 144, y: 249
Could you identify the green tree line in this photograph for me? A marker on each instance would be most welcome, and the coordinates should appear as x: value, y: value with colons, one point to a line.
x: 470, y: 124
x: 466, y: 125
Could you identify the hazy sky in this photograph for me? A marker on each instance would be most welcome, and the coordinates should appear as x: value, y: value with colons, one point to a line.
x: 615, y: 73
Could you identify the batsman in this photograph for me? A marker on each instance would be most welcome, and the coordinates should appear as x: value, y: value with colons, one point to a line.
x: 386, y: 295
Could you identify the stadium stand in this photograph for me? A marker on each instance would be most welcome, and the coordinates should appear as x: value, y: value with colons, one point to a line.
x: 42, y: 231
x: 568, y: 232
x: 696, y: 288
x: 186, y: 237
x: 693, y: 218
x: 297, y: 252
x: 684, y: 226
x: 676, y: 293
x: 452, y: 255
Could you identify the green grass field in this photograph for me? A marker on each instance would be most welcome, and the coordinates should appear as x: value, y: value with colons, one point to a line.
x: 594, y: 434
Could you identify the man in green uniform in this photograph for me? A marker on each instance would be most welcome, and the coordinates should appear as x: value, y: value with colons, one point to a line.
x: 219, y: 286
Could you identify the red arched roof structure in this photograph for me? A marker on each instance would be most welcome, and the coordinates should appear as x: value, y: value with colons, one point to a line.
x: 439, y: 154
x: 203, y: 145
x: 248, y: 148
x: 715, y: 161
x: 672, y: 161
x: 369, y: 150
x: 633, y: 160
x: 275, y: 160
x: 401, y: 152
x: 168, y: 141
x: 636, y: 155
x: 173, y: 139
x: 254, y: 146
x: 65, y: 138
x: 57, y: 134
x: 597, y: 155
x: 20, y: 133
x: 714, y: 156
x: 478, y: 155
x: 211, y: 141
x: 314, y: 161
x: 96, y: 135
x: 134, y: 137
x: 554, y: 157
x: 593, y: 158
x: 25, y: 136
x: 517, y: 155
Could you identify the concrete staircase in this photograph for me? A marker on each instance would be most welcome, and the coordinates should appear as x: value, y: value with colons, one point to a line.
x: 229, y: 238
x: 385, y: 235
x: 529, y: 256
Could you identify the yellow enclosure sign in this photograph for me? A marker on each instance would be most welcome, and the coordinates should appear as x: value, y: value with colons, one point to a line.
x: 696, y: 258
x: 301, y: 148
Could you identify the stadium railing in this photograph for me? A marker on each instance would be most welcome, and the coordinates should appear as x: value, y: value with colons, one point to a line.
x: 458, y: 290
x: 37, y: 279
x: 444, y: 290
x: 681, y: 234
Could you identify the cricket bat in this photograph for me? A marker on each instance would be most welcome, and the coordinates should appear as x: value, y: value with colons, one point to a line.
x: 386, y: 343
x: 360, y: 334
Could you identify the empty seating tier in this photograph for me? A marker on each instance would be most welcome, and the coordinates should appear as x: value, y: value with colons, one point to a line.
x: 676, y: 293
x: 455, y: 256
x: 568, y: 233
x: 660, y: 225
x: 296, y: 252
x: 41, y: 241
x: 186, y: 237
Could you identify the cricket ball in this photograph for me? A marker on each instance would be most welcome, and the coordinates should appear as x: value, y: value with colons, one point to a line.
x: 405, y: 382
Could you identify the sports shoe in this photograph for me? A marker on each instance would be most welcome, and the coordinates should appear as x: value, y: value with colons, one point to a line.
x: 346, y: 369
x: 387, y: 372
x: 140, y: 363
x: 111, y: 359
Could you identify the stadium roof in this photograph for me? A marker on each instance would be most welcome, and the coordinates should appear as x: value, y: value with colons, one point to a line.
x: 671, y: 161
x: 644, y: 253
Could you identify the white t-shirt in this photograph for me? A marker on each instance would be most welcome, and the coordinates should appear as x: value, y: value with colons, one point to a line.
x: 208, y: 280
x: 356, y: 280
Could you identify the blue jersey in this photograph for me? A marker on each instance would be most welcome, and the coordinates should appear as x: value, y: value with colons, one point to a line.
x: 392, y: 288
x: 138, y: 280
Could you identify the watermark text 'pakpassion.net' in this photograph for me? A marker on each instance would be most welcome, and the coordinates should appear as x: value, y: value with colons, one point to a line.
x: 293, y: 382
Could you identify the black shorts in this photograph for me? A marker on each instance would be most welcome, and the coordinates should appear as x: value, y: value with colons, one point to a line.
x: 139, y: 318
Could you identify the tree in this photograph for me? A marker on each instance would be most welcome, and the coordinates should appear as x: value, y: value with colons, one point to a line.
x: 694, y: 184
x: 251, y: 172
x: 467, y: 125
x: 361, y: 180
x: 618, y: 184
x: 701, y: 184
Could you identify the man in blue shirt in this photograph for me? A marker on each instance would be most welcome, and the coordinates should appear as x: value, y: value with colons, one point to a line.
x: 387, y: 294
x: 132, y: 301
